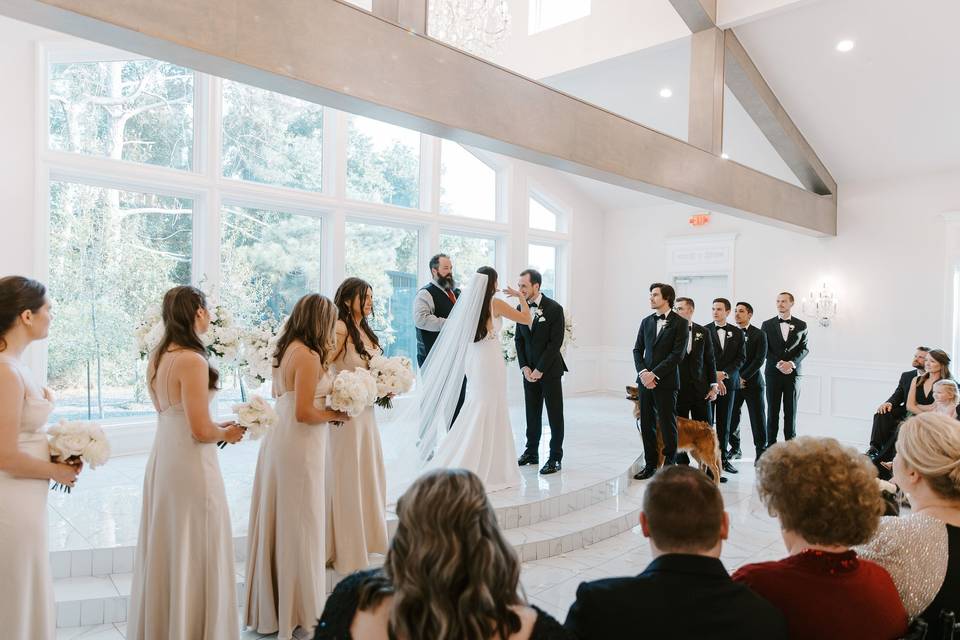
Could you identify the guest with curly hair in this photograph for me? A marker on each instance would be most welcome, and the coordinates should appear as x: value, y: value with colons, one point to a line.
x: 922, y: 550
x: 827, y: 500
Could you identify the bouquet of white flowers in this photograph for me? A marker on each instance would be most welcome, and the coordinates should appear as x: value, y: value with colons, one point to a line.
x: 256, y: 416
x: 259, y: 344
x: 353, y: 392
x: 149, y: 331
x: 568, y: 336
x: 222, y: 339
x: 394, y: 377
x: 71, y: 442
x: 507, y: 336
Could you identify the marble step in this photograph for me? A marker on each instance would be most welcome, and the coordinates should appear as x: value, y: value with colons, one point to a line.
x: 103, y: 599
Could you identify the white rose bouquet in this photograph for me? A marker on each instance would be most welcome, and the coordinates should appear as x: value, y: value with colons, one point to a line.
x: 353, y: 392
x: 258, y: 346
x: 149, y: 331
x: 256, y: 416
x: 71, y: 442
x: 394, y: 377
x: 507, y: 336
x: 223, y: 338
x: 568, y: 335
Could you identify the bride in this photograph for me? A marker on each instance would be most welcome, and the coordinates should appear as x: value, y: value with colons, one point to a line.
x: 481, y: 438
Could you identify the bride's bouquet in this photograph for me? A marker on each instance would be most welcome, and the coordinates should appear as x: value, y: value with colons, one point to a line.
x: 568, y: 336
x: 71, y: 442
x: 259, y: 344
x: 222, y: 339
x: 353, y: 392
x: 148, y: 332
x: 256, y: 416
x: 394, y: 377
x: 507, y: 343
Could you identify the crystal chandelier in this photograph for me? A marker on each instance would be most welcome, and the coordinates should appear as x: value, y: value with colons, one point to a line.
x: 475, y: 26
x: 821, y: 305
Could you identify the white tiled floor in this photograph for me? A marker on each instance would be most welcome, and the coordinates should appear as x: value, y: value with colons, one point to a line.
x: 601, y: 442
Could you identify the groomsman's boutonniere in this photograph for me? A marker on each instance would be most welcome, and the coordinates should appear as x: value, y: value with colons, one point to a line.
x: 729, y: 334
x: 697, y: 336
x: 789, y: 328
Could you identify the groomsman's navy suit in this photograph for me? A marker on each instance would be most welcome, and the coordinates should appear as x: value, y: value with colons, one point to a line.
x: 783, y: 388
x: 752, y: 392
x: 730, y: 357
x: 660, y: 353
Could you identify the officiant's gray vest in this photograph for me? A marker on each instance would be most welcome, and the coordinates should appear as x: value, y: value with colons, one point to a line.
x: 441, y: 308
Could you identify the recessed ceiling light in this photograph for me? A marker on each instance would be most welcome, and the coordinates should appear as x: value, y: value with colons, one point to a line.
x: 666, y: 92
x: 844, y: 45
x: 724, y: 156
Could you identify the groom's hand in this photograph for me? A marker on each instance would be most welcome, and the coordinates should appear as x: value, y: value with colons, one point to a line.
x: 535, y: 375
x: 526, y: 374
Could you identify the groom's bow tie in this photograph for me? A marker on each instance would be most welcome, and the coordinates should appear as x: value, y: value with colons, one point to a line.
x: 532, y: 305
x: 662, y: 316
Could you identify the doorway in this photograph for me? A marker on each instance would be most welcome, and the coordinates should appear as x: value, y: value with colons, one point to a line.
x: 702, y: 290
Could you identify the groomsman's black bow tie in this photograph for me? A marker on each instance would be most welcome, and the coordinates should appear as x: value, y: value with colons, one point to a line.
x: 532, y: 305
x: 662, y: 316
x: 785, y: 322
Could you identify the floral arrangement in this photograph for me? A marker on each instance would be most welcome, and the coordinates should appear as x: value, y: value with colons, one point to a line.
x: 71, y: 442
x: 394, y: 377
x: 222, y: 339
x: 256, y: 416
x: 568, y: 333
x: 148, y: 332
x: 507, y: 336
x: 258, y: 346
x: 353, y: 392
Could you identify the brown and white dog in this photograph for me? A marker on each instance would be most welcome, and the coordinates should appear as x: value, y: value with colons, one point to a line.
x: 694, y: 436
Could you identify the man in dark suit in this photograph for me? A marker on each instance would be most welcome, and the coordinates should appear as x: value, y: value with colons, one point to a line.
x: 540, y: 360
x: 698, y: 380
x: 891, y: 413
x: 751, y: 388
x: 685, y: 592
x: 786, y: 349
x: 730, y: 352
x: 656, y: 354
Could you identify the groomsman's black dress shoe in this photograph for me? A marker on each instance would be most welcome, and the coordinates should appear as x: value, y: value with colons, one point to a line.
x: 646, y: 473
x: 552, y: 466
x: 528, y: 458
x: 735, y: 454
x: 710, y: 475
x: 729, y: 468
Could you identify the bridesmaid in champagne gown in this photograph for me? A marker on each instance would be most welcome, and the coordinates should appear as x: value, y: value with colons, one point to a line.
x: 184, y: 578
x: 26, y: 590
x: 357, y: 483
x: 286, y: 565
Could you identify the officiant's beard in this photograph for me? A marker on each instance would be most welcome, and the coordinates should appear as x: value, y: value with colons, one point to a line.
x: 446, y: 281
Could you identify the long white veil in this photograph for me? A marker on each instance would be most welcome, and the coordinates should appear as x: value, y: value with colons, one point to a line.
x: 423, y: 417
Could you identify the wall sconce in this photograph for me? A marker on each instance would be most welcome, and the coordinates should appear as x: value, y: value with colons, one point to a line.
x: 821, y: 305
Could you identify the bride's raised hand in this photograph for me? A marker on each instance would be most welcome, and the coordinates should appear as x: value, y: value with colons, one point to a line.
x: 513, y: 293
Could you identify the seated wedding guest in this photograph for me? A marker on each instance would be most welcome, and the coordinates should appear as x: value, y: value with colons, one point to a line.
x: 892, y: 412
x: 945, y: 398
x: 685, y: 592
x: 922, y: 550
x: 936, y: 367
x: 826, y: 498
x: 449, y: 574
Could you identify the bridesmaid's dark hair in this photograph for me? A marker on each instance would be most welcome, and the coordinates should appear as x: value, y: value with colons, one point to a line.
x: 348, y: 291
x: 311, y: 322
x: 940, y: 356
x: 180, y: 306
x: 18, y: 294
x: 491, y: 274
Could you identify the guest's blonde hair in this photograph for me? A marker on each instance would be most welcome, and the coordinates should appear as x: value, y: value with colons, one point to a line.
x: 821, y: 490
x: 929, y: 443
x: 950, y: 384
x: 454, y: 575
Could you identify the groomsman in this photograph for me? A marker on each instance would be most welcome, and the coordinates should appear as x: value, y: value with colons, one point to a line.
x: 698, y: 380
x: 730, y: 353
x: 751, y: 384
x: 883, y: 436
x: 656, y: 354
x: 786, y: 349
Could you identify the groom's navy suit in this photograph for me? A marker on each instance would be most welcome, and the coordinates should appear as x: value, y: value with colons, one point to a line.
x: 539, y: 348
x: 660, y: 353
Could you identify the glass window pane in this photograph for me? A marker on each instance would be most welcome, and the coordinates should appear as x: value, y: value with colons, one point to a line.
x: 542, y: 217
x: 271, y: 138
x: 137, y: 110
x: 112, y: 255
x: 543, y: 258
x: 468, y: 253
x: 386, y: 257
x: 468, y: 186
x: 547, y: 14
x: 383, y: 162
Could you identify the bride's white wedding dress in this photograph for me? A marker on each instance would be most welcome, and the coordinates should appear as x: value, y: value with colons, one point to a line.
x: 481, y: 438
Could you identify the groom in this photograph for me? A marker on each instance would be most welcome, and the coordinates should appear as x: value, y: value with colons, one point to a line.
x: 538, y: 354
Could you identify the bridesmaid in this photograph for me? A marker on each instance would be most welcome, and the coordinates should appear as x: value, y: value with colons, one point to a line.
x: 184, y: 579
x: 26, y: 592
x: 286, y: 567
x: 357, y: 524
